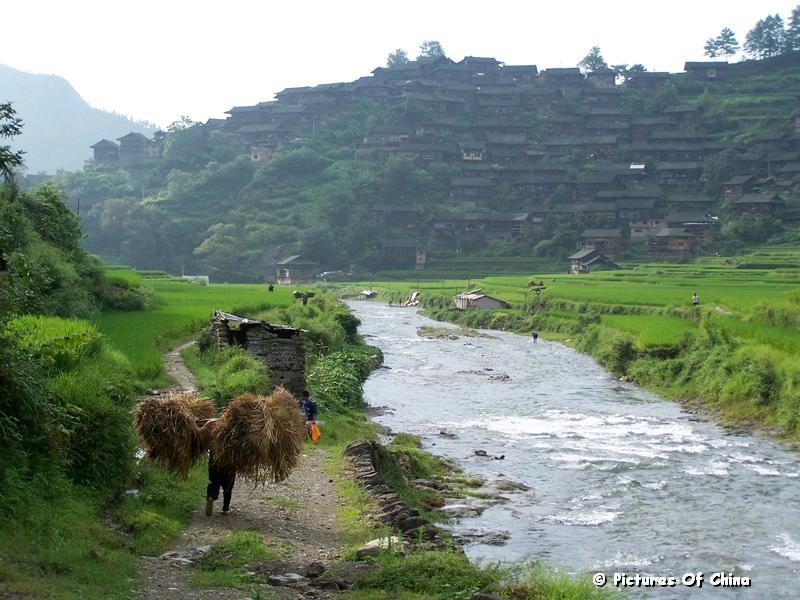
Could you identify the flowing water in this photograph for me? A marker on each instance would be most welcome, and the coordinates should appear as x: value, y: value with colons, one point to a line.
x: 621, y: 480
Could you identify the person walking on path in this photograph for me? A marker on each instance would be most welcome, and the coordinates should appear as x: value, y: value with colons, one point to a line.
x: 218, y: 478
x: 309, y: 408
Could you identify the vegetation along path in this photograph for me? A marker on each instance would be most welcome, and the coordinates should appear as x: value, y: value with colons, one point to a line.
x: 296, y: 518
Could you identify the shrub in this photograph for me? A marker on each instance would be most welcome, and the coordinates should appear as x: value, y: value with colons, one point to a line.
x: 336, y: 379
x: 238, y: 372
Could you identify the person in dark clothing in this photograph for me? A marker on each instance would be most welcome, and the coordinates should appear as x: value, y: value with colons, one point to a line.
x: 309, y: 408
x: 218, y: 478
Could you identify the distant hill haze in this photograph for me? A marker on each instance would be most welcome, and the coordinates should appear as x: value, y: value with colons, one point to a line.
x: 59, y: 127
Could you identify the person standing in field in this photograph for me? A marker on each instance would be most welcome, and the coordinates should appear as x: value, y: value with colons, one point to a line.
x: 695, y: 299
x: 218, y: 478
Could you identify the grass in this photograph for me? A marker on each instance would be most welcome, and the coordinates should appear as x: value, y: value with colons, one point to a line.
x: 182, y: 308
x: 227, y: 563
x: 651, y: 330
x: 283, y: 502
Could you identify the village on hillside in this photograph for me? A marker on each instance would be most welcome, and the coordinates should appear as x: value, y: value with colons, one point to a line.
x: 557, y: 141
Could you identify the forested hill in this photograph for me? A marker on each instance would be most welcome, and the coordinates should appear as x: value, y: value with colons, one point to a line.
x: 433, y: 160
x: 59, y: 124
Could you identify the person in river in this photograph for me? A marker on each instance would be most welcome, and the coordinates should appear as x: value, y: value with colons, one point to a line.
x: 218, y: 478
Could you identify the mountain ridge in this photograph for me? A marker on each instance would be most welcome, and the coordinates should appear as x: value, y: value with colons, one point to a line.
x: 59, y: 126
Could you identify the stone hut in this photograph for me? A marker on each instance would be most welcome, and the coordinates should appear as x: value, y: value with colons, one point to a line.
x: 281, y: 347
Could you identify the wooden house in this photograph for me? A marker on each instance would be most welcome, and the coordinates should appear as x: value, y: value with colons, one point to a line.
x: 590, y: 259
x: 135, y: 147
x: 699, y: 223
x: 472, y: 150
x: 605, y: 240
x: 647, y: 81
x: 739, y: 185
x: 689, y: 201
x: 281, y: 347
x: 471, y: 189
x: 707, y: 70
x: 672, y: 243
x: 295, y: 269
x: 603, y: 77
x: 106, y: 151
x: 389, y: 134
x: 400, y: 252
x: 519, y: 73
x: 477, y: 299
x: 645, y: 227
x: 543, y: 185
x: 758, y: 204
x: 563, y: 79
x: 685, y: 173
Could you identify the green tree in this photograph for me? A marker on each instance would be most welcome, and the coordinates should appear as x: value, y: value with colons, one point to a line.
x: 727, y: 44
x: 430, y: 49
x: 397, y: 58
x: 10, y: 126
x: 793, y: 31
x: 710, y: 49
x: 593, y: 61
x: 767, y: 38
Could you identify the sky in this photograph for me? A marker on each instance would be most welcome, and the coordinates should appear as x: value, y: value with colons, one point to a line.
x: 160, y: 60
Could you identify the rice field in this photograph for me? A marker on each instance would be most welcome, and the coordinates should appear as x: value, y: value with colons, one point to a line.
x: 180, y: 309
x: 651, y: 330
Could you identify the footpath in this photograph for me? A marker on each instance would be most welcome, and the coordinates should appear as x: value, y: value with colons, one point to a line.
x: 297, y: 517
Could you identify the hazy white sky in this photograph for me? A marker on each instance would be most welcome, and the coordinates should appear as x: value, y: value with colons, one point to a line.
x: 157, y: 60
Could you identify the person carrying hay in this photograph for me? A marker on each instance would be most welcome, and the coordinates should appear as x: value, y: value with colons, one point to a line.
x: 219, y: 478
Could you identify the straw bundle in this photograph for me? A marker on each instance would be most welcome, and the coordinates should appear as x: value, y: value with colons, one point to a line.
x: 260, y: 438
x: 288, y: 438
x: 168, y: 431
x: 202, y: 408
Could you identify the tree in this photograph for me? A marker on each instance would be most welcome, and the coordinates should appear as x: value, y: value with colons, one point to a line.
x: 430, y: 49
x: 593, y: 61
x: 710, y: 49
x: 397, y: 58
x: 767, y: 38
x: 625, y: 72
x: 727, y: 44
x: 793, y: 31
x: 10, y: 125
x: 724, y: 44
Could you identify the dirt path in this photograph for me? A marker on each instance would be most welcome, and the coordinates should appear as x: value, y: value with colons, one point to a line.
x: 296, y: 517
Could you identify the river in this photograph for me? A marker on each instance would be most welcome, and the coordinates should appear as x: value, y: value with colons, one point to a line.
x: 621, y: 480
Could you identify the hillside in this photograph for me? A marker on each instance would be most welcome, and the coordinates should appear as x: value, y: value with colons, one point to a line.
x: 59, y: 126
x: 435, y: 161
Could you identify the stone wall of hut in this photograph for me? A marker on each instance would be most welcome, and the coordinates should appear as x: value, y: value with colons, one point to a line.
x: 281, y: 348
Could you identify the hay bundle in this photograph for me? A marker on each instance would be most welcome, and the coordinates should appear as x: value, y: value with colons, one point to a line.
x: 288, y: 437
x: 202, y: 408
x: 168, y: 431
x: 260, y: 438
